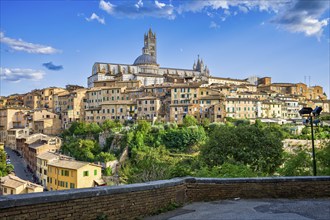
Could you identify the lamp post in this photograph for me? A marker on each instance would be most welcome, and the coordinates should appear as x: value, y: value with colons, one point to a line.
x: 310, y: 113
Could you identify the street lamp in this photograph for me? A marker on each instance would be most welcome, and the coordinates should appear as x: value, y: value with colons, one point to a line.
x: 310, y: 113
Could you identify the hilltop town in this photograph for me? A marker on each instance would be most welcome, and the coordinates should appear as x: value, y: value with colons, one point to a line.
x: 31, y: 123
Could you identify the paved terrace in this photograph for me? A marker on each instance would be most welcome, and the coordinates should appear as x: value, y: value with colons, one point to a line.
x: 241, y: 198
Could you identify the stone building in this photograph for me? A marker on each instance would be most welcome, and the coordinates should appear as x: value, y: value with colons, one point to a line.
x: 10, y: 117
x: 70, y: 106
x: 13, y: 185
x: 145, y: 68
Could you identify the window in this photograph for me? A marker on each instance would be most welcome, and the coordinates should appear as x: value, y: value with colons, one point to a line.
x: 72, y: 186
x: 95, y: 172
x: 11, y: 191
x: 4, y: 190
x: 85, y: 173
x: 65, y: 172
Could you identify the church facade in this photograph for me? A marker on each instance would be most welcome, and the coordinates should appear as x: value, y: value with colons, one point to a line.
x: 146, y: 69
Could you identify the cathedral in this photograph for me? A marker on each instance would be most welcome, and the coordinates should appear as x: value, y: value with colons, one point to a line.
x: 146, y: 69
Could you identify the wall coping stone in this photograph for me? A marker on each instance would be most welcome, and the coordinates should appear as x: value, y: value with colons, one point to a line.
x: 259, y: 179
x: 64, y: 195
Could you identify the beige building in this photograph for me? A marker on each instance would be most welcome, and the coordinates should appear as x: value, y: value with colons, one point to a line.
x: 271, y: 109
x: 70, y: 105
x: 15, y: 133
x: 309, y: 93
x: 148, y: 108
x: 12, y: 185
x: 325, y: 104
x: 70, y: 174
x: 241, y: 108
x: 8, y: 120
x: 226, y: 81
x: 48, y: 126
x: 37, y: 144
x: 42, y: 98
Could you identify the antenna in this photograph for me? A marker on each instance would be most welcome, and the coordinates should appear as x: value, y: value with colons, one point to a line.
x: 309, y: 77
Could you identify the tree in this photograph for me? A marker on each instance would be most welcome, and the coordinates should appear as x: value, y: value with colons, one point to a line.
x: 5, y: 168
x: 147, y: 164
x: 109, y: 125
x: 189, y: 120
x: 260, y: 149
x: 182, y: 139
x: 298, y: 163
x: 323, y: 159
x: 206, y: 122
x: 106, y: 157
x: 143, y: 126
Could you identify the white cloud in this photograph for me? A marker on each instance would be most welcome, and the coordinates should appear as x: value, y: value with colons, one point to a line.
x: 243, y: 9
x: 20, y: 45
x: 17, y: 74
x: 97, y: 18
x: 159, y: 4
x: 140, y: 9
x: 106, y: 6
x: 304, y: 17
x: 214, y: 25
x: 309, y: 26
x: 139, y: 4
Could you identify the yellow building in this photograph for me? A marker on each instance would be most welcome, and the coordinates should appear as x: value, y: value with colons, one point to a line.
x: 12, y: 185
x: 42, y: 165
x: 70, y: 174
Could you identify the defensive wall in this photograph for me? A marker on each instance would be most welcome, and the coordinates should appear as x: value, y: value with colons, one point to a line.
x: 137, y: 200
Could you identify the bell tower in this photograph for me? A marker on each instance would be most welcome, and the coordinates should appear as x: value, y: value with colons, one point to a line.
x: 150, y: 46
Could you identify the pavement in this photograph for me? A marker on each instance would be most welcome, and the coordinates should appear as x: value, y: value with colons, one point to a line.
x: 248, y: 209
x: 20, y: 166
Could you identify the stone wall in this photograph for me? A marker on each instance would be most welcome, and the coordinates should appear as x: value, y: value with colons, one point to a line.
x: 208, y: 189
x: 138, y: 200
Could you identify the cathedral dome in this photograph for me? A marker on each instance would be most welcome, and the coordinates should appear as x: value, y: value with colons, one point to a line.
x: 145, y: 59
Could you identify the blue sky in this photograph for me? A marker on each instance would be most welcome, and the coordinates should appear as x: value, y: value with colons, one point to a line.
x: 56, y: 43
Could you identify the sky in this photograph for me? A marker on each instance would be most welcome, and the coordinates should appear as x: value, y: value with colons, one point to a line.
x: 55, y: 43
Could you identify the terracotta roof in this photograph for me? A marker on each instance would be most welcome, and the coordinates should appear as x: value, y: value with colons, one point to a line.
x: 12, y: 181
x: 48, y: 156
x: 70, y: 164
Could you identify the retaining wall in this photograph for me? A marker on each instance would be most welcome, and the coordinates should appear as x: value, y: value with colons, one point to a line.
x: 138, y: 200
